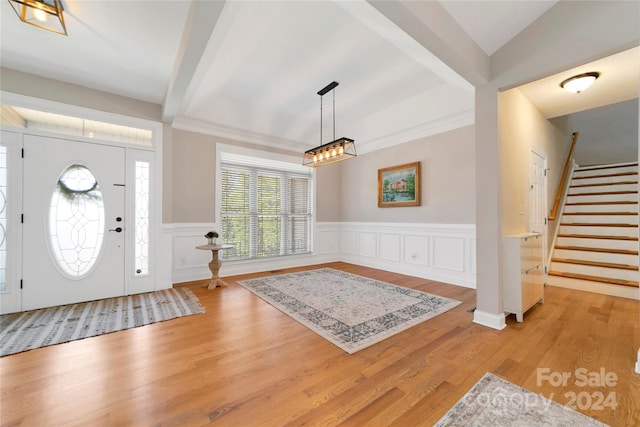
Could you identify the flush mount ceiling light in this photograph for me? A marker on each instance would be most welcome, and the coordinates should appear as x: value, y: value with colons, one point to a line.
x: 334, y: 151
x: 577, y: 84
x: 45, y: 14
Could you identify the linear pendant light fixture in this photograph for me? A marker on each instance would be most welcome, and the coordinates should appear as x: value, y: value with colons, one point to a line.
x: 45, y: 14
x: 334, y: 151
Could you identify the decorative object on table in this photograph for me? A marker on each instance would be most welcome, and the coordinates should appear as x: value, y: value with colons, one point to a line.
x: 493, y: 401
x: 399, y: 185
x: 214, y: 265
x: 55, y: 325
x: 334, y: 151
x: 212, y: 237
x: 352, y: 312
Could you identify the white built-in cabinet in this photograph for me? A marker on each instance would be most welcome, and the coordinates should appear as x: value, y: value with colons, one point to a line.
x: 522, y: 273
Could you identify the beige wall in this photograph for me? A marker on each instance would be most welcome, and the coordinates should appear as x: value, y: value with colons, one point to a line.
x: 447, y: 181
x: 192, y: 172
x: 329, y: 188
x: 345, y: 191
x: 522, y: 127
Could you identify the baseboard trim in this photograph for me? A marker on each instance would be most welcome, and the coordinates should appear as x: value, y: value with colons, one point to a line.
x: 490, y: 320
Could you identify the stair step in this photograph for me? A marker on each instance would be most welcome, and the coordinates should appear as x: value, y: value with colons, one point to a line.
x: 606, y: 250
x: 613, y: 219
x: 609, y: 175
x: 604, y: 184
x: 603, y: 193
x: 619, y: 202
x: 591, y: 236
x: 602, y: 188
x: 630, y: 283
x: 611, y: 270
x: 601, y: 167
x: 596, y: 264
x: 597, y: 242
x: 601, y: 213
x: 596, y: 224
x: 599, y: 230
x: 598, y: 208
x: 596, y: 254
x: 631, y: 196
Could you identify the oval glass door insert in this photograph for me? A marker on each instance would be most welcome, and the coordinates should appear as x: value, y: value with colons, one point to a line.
x: 76, y: 221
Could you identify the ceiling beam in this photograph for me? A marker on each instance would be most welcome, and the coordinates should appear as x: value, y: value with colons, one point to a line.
x: 199, y: 26
x: 432, y: 27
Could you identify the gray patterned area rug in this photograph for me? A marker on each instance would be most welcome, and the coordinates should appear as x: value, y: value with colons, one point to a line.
x: 48, y: 326
x: 352, y: 312
x: 493, y: 401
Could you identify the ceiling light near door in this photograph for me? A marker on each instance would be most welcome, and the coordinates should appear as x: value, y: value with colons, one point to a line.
x: 45, y: 14
x: 334, y: 151
x: 577, y: 84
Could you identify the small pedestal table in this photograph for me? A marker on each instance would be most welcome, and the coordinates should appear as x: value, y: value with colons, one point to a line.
x: 214, y: 265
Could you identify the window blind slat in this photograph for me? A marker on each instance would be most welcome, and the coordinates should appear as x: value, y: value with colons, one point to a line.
x: 265, y: 212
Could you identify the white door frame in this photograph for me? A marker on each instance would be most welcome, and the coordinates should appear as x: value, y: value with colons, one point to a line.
x: 543, y: 155
x: 11, y: 299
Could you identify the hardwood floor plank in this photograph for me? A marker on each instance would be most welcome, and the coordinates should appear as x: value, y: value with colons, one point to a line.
x: 245, y: 363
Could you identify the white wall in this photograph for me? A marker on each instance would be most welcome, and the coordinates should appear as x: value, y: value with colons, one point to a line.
x: 608, y: 134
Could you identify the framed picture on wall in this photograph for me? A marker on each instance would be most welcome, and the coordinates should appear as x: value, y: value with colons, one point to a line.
x: 399, y: 185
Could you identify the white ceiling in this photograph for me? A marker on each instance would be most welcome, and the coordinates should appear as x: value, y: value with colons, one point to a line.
x: 619, y: 81
x: 256, y: 72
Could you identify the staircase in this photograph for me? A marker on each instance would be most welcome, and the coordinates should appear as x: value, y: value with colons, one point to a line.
x: 596, y: 248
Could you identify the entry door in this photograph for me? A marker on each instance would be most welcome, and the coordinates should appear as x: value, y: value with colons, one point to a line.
x: 73, y: 230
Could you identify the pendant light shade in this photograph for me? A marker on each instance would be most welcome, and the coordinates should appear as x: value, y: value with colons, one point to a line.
x: 334, y: 151
x: 45, y: 14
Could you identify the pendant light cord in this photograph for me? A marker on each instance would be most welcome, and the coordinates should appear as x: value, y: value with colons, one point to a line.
x: 320, y: 119
x: 334, y: 113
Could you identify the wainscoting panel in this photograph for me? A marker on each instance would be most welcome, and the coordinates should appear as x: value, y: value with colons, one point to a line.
x: 442, y: 252
x: 389, y: 246
x: 349, y: 244
x: 327, y: 241
x: 416, y: 249
x: 471, y: 255
x: 367, y: 243
x: 448, y: 253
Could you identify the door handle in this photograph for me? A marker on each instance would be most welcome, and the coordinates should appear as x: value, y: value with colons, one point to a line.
x: 117, y: 229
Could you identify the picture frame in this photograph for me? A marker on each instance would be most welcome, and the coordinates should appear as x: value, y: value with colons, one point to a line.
x: 399, y: 185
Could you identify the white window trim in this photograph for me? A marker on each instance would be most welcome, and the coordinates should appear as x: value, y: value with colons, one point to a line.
x: 269, y: 156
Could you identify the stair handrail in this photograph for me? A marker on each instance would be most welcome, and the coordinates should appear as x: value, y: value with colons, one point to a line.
x: 563, y: 180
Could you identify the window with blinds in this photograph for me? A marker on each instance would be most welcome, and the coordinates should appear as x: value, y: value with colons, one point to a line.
x: 266, y: 209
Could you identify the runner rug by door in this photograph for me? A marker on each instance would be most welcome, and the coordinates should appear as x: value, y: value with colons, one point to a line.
x: 352, y: 312
x: 493, y: 401
x: 56, y: 325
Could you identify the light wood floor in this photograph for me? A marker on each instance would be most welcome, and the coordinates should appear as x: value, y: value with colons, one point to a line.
x: 244, y: 363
